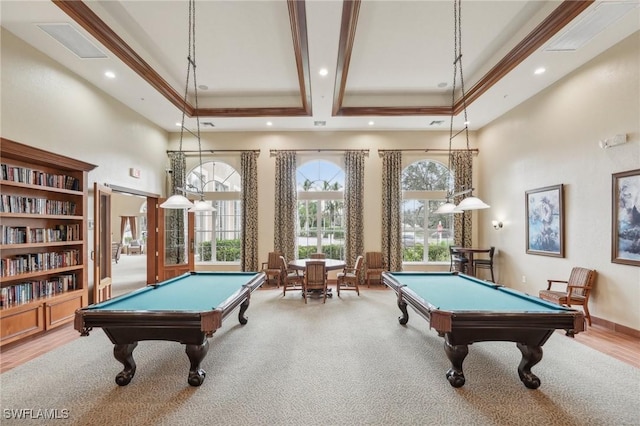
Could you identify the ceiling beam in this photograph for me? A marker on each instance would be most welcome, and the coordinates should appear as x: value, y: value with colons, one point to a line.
x: 556, y: 21
x: 87, y: 19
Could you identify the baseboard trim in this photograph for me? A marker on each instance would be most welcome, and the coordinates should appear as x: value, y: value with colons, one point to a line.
x: 610, y: 325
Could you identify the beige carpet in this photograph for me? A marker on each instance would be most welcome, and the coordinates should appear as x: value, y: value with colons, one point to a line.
x: 347, y: 362
x: 130, y: 273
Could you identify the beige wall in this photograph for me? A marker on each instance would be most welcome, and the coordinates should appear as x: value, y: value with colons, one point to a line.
x: 553, y: 139
x: 548, y: 140
x: 46, y: 106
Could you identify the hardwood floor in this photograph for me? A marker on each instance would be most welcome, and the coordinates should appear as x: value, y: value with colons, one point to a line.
x: 618, y: 345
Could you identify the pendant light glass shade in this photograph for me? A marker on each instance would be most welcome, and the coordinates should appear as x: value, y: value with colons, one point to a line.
x: 472, y: 203
x: 177, y: 201
x: 446, y: 208
x: 202, y: 206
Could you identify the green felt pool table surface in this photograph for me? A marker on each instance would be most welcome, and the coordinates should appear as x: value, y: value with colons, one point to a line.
x: 199, y: 291
x: 447, y: 291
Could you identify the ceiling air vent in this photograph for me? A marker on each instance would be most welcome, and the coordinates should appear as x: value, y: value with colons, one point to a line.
x: 319, y: 123
x: 590, y: 25
x: 73, y: 40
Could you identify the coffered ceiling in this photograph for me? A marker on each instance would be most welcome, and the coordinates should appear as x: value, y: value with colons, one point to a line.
x: 389, y: 63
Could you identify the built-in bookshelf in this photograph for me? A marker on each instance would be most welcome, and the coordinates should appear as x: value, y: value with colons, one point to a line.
x: 43, y: 239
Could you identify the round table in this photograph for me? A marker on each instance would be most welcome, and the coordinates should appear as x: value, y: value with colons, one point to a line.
x: 330, y: 264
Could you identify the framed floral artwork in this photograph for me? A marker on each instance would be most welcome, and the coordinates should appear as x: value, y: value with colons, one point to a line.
x: 545, y: 221
x: 625, y: 215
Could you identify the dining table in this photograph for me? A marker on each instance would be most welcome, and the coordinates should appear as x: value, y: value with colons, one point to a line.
x: 330, y: 265
x: 469, y: 253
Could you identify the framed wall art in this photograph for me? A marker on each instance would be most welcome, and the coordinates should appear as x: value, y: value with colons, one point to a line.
x: 625, y: 218
x: 545, y: 221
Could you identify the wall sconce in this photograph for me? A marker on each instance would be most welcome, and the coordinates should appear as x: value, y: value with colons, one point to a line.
x: 496, y: 225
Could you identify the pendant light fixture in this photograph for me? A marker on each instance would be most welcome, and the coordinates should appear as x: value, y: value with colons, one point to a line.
x: 178, y: 201
x: 470, y: 202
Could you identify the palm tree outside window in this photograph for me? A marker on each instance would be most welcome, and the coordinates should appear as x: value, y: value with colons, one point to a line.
x: 426, y: 236
x: 320, y: 209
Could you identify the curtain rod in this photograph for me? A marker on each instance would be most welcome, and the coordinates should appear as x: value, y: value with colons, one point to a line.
x: 275, y: 151
x: 213, y: 151
x: 474, y: 150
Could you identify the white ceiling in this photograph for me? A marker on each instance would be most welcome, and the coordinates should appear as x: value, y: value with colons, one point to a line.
x: 260, y: 60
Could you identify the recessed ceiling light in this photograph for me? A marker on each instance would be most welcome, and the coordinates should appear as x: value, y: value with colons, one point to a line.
x: 110, y: 74
x: 539, y: 71
x: 442, y: 85
x: 179, y: 124
x: 323, y: 71
x: 203, y: 87
x: 371, y: 123
x: 269, y: 123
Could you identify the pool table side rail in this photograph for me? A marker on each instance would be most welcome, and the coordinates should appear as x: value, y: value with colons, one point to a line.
x: 209, y: 321
x: 233, y: 301
x: 442, y: 320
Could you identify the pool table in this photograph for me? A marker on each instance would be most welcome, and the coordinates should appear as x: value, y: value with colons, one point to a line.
x: 465, y: 310
x: 187, y: 309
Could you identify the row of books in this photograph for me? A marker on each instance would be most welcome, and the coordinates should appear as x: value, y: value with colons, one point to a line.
x: 37, y: 177
x: 28, y: 291
x: 18, y: 204
x: 36, y: 262
x: 26, y: 234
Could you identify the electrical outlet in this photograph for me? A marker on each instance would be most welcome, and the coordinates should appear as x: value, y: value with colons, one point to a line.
x: 524, y: 278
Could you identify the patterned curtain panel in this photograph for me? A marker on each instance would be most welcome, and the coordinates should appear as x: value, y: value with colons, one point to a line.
x: 174, y: 218
x: 286, y: 204
x: 249, y: 233
x: 178, y: 164
x: 462, y: 164
x: 354, y: 205
x: 391, y: 202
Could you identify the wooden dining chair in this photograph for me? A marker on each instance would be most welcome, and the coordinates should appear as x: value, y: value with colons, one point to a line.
x: 315, y: 279
x: 292, y: 279
x: 317, y: 256
x: 374, y: 265
x: 272, y: 268
x: 349, y: 278
x: 458, y: 261
x: 577, y: 290
x: 485, y: 263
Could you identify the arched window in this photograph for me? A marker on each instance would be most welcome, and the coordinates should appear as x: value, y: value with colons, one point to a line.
x: 320, y: 209
x: 426, y: 236
x: 217, y: 233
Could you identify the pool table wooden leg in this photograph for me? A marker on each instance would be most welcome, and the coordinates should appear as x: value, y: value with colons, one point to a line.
x: 196, y: 354
x: 456, y: 354
x: 124, y: 354
x: 405, y: 314
x: 531, y: 355
x: 243, y: 308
